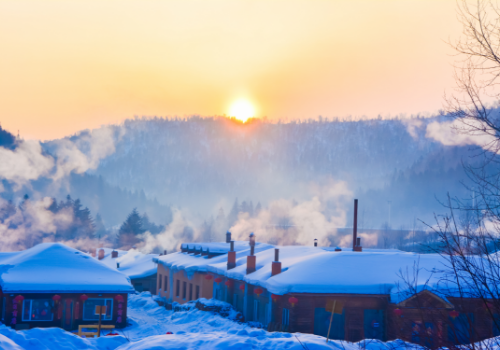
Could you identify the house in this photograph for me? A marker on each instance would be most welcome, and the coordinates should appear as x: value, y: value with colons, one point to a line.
x: 53, y: 285
x: 139, y: 267
x: 356, y: 293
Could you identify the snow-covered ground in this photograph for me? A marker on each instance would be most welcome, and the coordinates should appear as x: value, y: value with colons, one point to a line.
x: 192, y: 329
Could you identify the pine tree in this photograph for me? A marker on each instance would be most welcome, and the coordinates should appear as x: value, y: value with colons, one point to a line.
x: 130, y: 229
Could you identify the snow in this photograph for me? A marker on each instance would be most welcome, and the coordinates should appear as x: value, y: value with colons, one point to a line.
x: 322, y: 270
x: 133, y: 263
x: 55, y: 267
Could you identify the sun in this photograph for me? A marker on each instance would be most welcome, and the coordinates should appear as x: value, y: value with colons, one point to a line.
x: 242, y: 110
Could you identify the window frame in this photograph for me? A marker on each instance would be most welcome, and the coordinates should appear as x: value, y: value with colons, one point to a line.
x: 104, y: 316
x: 160, y: 281
x: 166, y: 283
x: 190, y: 291
x: 178, y: 289
x: 184, y: 290
x: 51, y: 303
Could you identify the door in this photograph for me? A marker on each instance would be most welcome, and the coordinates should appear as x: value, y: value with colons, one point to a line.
x: 67, y: 315
x: 322, y: 319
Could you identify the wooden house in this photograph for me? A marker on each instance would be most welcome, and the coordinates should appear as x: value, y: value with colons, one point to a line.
x: 53, y: 285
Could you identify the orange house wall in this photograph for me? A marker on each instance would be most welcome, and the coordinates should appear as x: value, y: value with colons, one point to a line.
x: 198, y: 279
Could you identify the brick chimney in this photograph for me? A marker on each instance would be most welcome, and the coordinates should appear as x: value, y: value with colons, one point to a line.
x: 276, y: 265
x: 114, y: 254
x: 251, y: 259
x: 101, y: 254
x: 231, y: 257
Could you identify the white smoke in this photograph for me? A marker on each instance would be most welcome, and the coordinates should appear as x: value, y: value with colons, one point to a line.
x: 28, y: 162
x: 455, y: 133
x: 173, y: 235
x: 304, y: 221
x: 412, y: 125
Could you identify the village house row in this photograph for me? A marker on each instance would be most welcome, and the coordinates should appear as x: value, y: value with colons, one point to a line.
x: 296, y: 288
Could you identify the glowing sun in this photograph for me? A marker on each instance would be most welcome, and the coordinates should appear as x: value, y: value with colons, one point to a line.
x: 242, y: 110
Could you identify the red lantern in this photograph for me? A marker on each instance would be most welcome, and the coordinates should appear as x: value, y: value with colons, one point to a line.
x: 258, y: 291
x: 275, y: 297
x: 19, y: 298
x: 208, y: 277
x: 454, y: 314
x: 56, y: 298
x: 228, y: 283
x: 83, y: 297
x: 242, y: 287
x: 218, y: 280
x: 293, y: 301
x: 398, y: 312
x: 119, y: 298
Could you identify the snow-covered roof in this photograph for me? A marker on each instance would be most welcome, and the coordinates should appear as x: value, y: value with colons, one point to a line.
x: 55, y: 267
x: 133, y: 263
x: 320, y: 270
x: 196, y: 263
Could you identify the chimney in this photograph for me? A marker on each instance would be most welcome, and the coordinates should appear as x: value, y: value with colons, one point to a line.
x: 315, y: 242
x: 355, y: 225
x: 358, y: 247
x: 251, y: 259
x: 228, y: 237
x: 114, y: 254
x: 101, y: 254
x: 231, y: 257
x: 276, y: 265
x: 117, y: 265
x: 165, y: 252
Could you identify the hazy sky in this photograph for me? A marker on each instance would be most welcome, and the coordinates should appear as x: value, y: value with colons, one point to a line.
x: 70, y: 65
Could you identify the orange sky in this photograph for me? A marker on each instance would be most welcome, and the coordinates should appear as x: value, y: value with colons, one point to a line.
x: 70, y: 65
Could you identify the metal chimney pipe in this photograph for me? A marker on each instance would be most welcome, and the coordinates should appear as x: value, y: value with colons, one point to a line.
x: 276, y: 255
x: 315, y: 242
x: 355, y: 225
x: 232, y: 246
x: 252, y: 250
x: 358, y: 242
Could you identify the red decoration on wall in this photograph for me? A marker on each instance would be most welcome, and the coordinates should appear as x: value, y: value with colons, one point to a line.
x: 242, y: 287
x: 293, y: 301
x: 228, y: 283
x: 119, y: 298
x: 398, y: 312
x: 56, y: 298
x: 19, y: 298
x: 258, y: 291
x: 275, y: 297
x: 454, y: 314
x: 218, y: 280
x: 208, y: 277
x: 83, y: 297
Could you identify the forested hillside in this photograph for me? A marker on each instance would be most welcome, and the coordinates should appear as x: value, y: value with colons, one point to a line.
x: 205, y: 163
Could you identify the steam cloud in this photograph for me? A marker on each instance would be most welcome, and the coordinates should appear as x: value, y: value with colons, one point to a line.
x: 449, y: 134
x: 289, y: 223
x: 28, y: 161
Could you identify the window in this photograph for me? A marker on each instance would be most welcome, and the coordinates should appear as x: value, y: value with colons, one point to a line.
x: 159, y: 282
x: 197, y: 292
x: 166, y: 283
x: 89, y: 309
x: 178, y: 288
x: 184, y: 290
x: 190, y: 291
x: 38, y: 310
x: 256, y: 305
x: 285, y: 317
x: 138, y: 286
